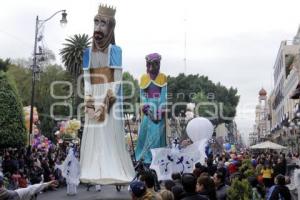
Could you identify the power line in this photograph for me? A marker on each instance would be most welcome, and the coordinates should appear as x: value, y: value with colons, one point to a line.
x: 16, y: 38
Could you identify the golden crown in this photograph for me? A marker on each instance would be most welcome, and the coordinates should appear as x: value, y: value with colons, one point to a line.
x: 106, y: 10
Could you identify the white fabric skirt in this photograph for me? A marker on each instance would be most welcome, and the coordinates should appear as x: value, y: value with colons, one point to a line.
x: 104, y: 158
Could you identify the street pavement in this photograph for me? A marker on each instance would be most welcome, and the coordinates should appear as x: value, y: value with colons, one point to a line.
x: 108, y: 192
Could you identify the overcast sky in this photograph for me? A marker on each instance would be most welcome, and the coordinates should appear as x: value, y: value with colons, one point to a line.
x: 234, y: 42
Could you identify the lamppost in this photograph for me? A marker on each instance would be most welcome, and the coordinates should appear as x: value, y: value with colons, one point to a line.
x: 35, y: 68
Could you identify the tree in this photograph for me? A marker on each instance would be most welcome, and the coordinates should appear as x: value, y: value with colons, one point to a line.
x: 239, y: 189
x: 221, y: 108
x: 130, y: 92
x: 25, y: 63
x: 72, y: 55
x: 22, y: 76
x: 4, y: 64
x: 222, y: 101
x: 204, y: 110
x: 43, y: 98
x: 13, y: 130
x: 45, y: 58
x: 246, y: 168
x: 51, y: 75
x: 180, y: 90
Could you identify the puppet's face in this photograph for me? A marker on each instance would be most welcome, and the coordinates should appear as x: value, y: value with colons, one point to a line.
x: 153, y: 63
x: 153, y: 67
x: 102, y: 28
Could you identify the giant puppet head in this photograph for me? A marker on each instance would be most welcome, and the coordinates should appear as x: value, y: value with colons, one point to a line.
x: 104, y: 25
x: 153, y: 64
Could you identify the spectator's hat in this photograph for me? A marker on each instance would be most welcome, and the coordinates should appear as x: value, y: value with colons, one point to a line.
x: 138, y: 188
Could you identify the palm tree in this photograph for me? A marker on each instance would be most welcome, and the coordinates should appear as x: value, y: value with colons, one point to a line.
x: 72, y: 55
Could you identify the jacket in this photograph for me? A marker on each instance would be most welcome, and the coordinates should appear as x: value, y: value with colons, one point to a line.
x: 279, y: 192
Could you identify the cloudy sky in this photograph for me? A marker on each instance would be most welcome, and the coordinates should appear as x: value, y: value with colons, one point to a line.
x: 234, y: 42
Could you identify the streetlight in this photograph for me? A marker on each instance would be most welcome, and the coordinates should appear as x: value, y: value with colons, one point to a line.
x: 35, y: 68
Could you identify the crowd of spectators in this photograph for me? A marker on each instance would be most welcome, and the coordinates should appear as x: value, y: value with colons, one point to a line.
x: 213, y: 180
x: 209, y: 181
x: 28, y: 166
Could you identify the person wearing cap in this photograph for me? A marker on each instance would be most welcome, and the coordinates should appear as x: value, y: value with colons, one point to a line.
x: 138, y: 191
x: 153, y: 90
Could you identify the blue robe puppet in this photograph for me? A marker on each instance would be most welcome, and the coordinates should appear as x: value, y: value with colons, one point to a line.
x: 153, y: 94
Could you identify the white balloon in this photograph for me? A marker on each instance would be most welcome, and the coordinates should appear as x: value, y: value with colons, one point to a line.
x: 199, y: 128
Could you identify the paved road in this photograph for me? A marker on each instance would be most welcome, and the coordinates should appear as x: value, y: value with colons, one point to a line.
x: 107, y: 193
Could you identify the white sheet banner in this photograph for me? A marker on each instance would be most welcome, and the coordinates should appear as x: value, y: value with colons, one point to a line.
x: 166, y: 161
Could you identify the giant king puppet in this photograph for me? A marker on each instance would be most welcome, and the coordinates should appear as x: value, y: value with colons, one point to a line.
x: 153, y: 89
x: 104, y: 158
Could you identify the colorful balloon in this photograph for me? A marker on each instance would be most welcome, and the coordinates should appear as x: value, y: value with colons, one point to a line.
x: 227, y: 146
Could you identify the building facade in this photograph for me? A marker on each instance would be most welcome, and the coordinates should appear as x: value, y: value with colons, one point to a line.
x: 286, y: 78
x: 261, y: 128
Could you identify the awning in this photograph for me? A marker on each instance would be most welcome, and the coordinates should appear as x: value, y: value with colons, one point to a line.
x: 267, y: 145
